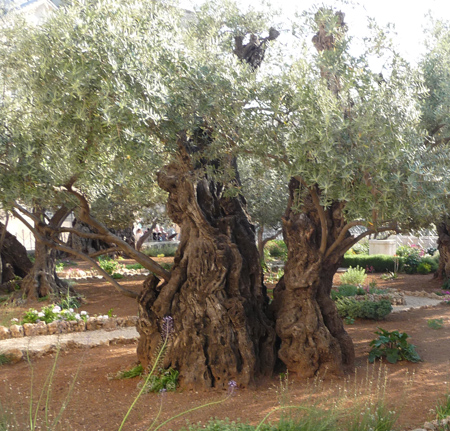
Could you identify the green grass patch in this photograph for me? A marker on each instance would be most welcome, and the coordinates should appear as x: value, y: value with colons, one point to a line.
x: 4, y: 359
x: 134, y: 266
x: 136, y: 371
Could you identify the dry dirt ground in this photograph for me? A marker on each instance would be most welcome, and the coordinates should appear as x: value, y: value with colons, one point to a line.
x: 98, y: 403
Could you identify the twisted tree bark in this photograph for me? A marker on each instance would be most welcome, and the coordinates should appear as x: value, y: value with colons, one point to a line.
x: 215, y: 293
x: 313, y: 338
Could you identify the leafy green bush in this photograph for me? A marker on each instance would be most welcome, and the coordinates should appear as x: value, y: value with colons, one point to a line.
x: 424, y: 268
x: 108, y: 265
x: 354, y: 276
x: 380, y: 262
x: 134, y: 266
x: 433, y: 261
x: 346, y: 290
x: 167, y: 249
x: 277, y: 249
x: 393, y: 346
x: 376, y: 310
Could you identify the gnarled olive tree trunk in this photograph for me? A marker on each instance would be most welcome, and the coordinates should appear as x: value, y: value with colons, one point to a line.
x: 215, y: 294
x: 443, y: 231
x: 313, y: 338
x: 14, y: 260
x: 42, y: 279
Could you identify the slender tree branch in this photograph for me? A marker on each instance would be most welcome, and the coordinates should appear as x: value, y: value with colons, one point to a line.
x: 66, y: 249
x: 105, y: 251
x: 272, y: 237
x: 370, y: 231
x: 341, y: 236
x: 83, y: 234
x: 111, y: 238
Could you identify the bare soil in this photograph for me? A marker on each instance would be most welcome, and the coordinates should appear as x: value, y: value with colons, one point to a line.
x: 100, y: 403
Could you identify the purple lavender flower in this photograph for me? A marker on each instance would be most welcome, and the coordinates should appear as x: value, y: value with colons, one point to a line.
x: 232, y: 386
x: 167, y: 327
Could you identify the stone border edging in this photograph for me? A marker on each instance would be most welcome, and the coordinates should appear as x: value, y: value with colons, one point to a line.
x: 66, y: 327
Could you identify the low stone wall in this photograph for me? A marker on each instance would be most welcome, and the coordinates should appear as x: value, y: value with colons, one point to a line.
x: 423, y: 294
x: 66, y: 327
x: 394, y: 296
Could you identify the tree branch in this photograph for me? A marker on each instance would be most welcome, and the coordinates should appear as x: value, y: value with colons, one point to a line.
x: 111, y: 238
x: 105, y: 251
x: 341, y: 235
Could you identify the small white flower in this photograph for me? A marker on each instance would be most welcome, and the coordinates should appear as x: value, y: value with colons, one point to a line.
x: 83, y: 313
x: 56, y: 309
x: 41, y: 314
x: 35, y: 312
x: 77, y: 316
x: 14, y: 319
x: 71, y: 310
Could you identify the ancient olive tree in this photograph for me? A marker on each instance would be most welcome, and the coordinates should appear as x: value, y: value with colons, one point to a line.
x: 105, y: 95
x: 435, y: 106
x: 351, y: 143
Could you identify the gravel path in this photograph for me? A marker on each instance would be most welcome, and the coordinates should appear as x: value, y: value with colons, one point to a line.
x: 415, y: 302
x: 18, y: 348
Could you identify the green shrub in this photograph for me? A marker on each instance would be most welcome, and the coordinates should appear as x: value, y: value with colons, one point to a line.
x: 346, y: 290
x: 354, y: 276
x: 167, y: 249
x: 277, y: 249
x: 433, y: 261
x: 108, y: 265
x: 134, y: 266
x: 380, y: 262
x: 424, y: 268
x: 393, y: 346
x: 350, y: 307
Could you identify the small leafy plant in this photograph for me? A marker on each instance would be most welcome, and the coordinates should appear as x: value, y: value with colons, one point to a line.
x: 164, y: 380
x: 136, y: 371
x: 443, y: 408
x: 354, y: 276
x: 108, y: 265
x: 51, y: 313
x: 393, y: 346
x: 435, y: 323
